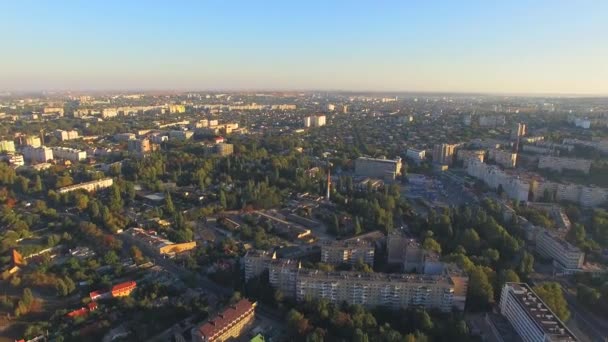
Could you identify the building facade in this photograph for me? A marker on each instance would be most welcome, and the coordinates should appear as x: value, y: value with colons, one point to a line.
x: 88, y: 186
x: 559, y: 164
x: 347, y: 252
x: 568, y: 257
x: 378, y: 168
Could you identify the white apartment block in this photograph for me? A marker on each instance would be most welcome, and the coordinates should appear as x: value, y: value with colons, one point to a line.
x: 36, y: 155
x: 378, y: 168
x: 88, y: 186
x: 380, y: 289
x: 559, y: 164
x: 66, y: 135
x: 531, y: 318
x: 503, y: 158
x: 70, y: 154
x: 283, y: 107
x: 494, y: 177
x: 586, y: 196
x: 347, y: 252
x: 569, y: 257
x: 467, y: 155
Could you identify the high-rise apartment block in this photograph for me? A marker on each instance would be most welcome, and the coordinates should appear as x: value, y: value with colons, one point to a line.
x: 505, y: 159
x: 177, y: 109
x: 518, y: 130
x: 443, y: 154
x: 141, y: 147
x: 514, y: 187
x: 36, y: 155
x: 70, y: 154
x: 315, y: 121
x: 531, y: 318
x: 66, y: 135
x: 33, y: 140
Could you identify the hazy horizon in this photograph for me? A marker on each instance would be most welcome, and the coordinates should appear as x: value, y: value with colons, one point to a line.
x: 516, y: 48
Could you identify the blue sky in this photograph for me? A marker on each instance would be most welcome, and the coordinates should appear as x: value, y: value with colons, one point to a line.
x: 461, y: 46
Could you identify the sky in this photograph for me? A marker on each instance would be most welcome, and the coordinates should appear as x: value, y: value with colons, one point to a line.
x: 516, y: 46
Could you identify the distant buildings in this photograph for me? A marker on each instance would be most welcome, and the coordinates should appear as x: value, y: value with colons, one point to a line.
x: 378, y: 168
x: 227, y: 325
x: 88, y: 186
x: 531, y: 318
x: 467, y: 155
x: 559, y: 164
x: 443, y: 154
x: 224, y: 149
x: 121, y: 137
x: 53, y: 110
x: 141, y: 147
x: 283, y: 107
x: 314, y: 121
x: 177, y: 109
x: 33, y: 141
x: 492, y: 120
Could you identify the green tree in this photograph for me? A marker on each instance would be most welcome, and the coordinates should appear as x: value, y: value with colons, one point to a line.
x: 551, y: 293
x: 169, y: 206
x: 431, y: 244
x: 526, y: 265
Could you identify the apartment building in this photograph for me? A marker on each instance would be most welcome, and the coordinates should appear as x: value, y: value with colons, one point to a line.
x: 227, y: 325
x: 411, y: 256
x: 255, y: 262
x: 505, y: 159
x: 224, y: 149
x: 515, y: 187
x: 378, y: 168
x: 347, y: 252
x: 531, y: 318
x: 315, y: 121
x: 416, y: 155
x: 66, y: 135
x: 381, y: 289
x: 492, y: 121
x: 121, y: 137
x: 518, y: 130
x: 283, y: 107
x: 7, y: 146
x: 567, y: 257
x: 70, y: 154
x: 142, y: 147
x: 443, y: 154
x: 33, y: 140
x: 559, y: 164
x: 466, y: 155
x: 123, y: 289
x: 283, y: 275
x: 14, y: 159
x: 88, y: 186
x: 36, y: 155
x: 177, y: 109
x: 586, y: 196
x: 53, y: 110
x: 109, y: 113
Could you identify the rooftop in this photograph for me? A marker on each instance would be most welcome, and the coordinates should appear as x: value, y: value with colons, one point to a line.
x: 226, y: 317
x: 540, y: 313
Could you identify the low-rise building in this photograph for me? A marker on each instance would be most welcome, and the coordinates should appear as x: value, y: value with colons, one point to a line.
x: 88, y: 186
x: 157, y: 244
x: 123, y: 289
x: 7, y: 146
x: 227, y: 325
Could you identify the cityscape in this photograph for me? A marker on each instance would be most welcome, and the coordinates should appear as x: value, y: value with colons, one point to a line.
x: 225, y: 203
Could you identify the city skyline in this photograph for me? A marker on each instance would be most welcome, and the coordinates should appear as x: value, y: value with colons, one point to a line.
x: 516, y: 48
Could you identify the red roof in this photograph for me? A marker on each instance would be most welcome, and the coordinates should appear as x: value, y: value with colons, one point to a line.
x: 124, y: 286
x: 95, y: 294
x: 92, y: 306
x: 77, y: 313
x: 223, y: 319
